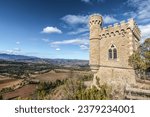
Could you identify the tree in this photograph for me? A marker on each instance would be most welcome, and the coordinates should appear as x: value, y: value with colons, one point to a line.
x: 140, y: 59
x: 137, y: 62
x: 145, y: 51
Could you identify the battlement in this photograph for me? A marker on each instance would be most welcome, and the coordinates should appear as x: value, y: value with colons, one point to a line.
x: 95, y: 19
x: 121, y: 29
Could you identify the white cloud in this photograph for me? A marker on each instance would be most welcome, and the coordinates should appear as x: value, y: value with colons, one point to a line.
x: 145, y: 31
x: 45, y: 40
x: 142, y: 6
x: 78, y: 23
x: 85, y: 1
x: 109, y: 19
x: 84, y: 47
x: 81, y: 42
x: 17, y: 42
x: 12, y: 51
x: 79, y: 30
x: 76, y: 41
x: 86, y: 35
x: 83, y: 19
x: 142, y: 15
x: 9, y: 51
x: 89, y: 1
x: 51, y: 30
x: 57, y: 49
x: 75, y: 19
x: 17, y: 49
x: 130, y: 14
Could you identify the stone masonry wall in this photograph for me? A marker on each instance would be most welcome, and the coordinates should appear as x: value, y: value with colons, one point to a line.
x: 125, y: 37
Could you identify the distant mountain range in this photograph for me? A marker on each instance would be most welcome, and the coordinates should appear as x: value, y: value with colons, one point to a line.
x: 15, y: 57
x: 60, y: 62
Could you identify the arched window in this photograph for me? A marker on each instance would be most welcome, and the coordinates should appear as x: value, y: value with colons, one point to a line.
x: 115, y: 53
x: 112, y: 52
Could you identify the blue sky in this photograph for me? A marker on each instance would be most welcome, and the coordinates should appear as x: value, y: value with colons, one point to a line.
x: 59, y: 28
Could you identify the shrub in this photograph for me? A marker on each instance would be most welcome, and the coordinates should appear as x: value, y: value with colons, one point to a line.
x: 75, y: 90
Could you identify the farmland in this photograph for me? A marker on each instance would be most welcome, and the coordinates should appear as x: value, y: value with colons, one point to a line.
x: 21, y: 80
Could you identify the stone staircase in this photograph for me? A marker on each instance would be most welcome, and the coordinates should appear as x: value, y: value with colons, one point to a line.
x: 139, y: 92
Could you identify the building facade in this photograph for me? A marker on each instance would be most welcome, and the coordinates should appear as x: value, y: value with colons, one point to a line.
x: 110, y: 48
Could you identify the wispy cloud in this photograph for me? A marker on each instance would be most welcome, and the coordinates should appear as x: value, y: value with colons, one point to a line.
x: 45, y: 40
x: 75, y: 19
x: 57, y: 49
x: 108, y: 19
x: 89, y: 1
x: 130, y: 14
x: 79, y: 31
x: 80, y: 42
x: 78, y: 23
x: 142, y: 15
x: 145, y: 29
x: 86, y: 1
x: 76, y: 41
x: 83, y: 19
x: 17, y: 42
x: 51, y: 29
x: 142, y: 6
x: 84, y: 47
x: 11, y: 51
x: 81, y: 22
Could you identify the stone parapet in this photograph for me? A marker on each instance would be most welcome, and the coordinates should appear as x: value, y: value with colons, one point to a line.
x: 120, y: 29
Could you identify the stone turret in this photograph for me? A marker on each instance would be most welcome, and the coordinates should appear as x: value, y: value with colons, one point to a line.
x: 95, y: 25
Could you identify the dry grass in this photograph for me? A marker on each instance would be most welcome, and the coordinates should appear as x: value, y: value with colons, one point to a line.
x: 26, y: 91
x: 60, y: 74
x: 9, y: 83
x: 51, y: 76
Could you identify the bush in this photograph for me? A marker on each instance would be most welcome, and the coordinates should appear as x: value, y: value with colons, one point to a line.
x: 75, y: 90
x: 45, y: 88
x: 5, y: 90
x: 93, y: 93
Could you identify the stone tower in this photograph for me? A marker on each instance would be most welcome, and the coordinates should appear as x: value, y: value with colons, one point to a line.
x: 95, y: 24
x: 110, y: 48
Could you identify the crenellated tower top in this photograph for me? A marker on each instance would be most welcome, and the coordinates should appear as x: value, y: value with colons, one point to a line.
x: 95, y: 19
x: 95, y: 25
x: 121, y: 29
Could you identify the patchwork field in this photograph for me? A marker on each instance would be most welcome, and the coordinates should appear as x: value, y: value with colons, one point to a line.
x: 29, y: 90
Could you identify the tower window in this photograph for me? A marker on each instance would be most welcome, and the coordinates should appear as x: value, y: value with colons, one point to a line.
x: 115, y: 53
x: 112, y: 52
